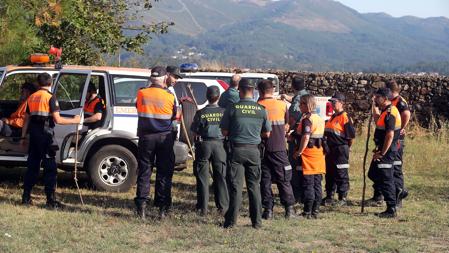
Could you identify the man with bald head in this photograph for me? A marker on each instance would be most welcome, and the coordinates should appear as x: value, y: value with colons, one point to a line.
x: 231, y: 95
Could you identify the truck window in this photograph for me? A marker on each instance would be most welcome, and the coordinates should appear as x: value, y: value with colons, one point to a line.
x: 125, y: 89
x: 69, y: 90
x: 199, y: 91
x: 10, y: 89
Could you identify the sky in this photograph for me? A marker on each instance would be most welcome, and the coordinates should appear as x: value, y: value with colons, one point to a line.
x: 398, y: 8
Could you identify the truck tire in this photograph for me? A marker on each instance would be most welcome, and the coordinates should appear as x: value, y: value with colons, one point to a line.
x: 113, y: 168
x: 188, y: 112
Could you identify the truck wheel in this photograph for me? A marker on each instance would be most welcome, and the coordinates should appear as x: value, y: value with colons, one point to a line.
x: 113, y: 168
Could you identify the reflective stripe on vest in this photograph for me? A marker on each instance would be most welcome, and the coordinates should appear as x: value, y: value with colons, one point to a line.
x: 343, y: 166
x: 336, y: 125
x: 39, y: 103
x: 155, y: 103
x: 392, y: 110
x: 276, y: 110
x: 384, y: 165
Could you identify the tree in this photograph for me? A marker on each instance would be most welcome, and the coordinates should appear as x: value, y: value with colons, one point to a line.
x: 85, y: 29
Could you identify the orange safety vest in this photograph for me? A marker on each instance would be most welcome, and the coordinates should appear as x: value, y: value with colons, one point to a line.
x: 313, y: 162
x: 396, y: 100
x: 336, y: 125
x: 39, y: 103
x: 276, y: 110
x: 89, y: 107
x: 391, y: 110
x: 17, y: 119
x: 155, y: 103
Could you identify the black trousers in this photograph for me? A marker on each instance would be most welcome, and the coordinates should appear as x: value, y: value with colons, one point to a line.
x: 211, y: 151
x: 41, y: 153
x: 297, y: 177
x: 155, y: 149
x: 312, y: 192
x: 337, y: 167
x: 381, y: 172
x: 397, y: 165
x: 276, y: 169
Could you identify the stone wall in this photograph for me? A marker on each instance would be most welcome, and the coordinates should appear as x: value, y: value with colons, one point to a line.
x: 428, y: 95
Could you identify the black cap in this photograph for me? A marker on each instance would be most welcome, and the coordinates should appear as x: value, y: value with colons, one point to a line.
x: 338, y: 97
x: 212, y: 91
x: 384, y: 92
x: 244, y: 82
x: 158, y: 71
x: 174, y: 71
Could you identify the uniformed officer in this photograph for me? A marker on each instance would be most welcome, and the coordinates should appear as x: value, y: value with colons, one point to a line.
x: 209, y: 148
x: 231, y: 95
x: 41, y: 115
x: 311, y: 153
x: 94, y: 108
x: 275, y: 165
x: 245, y: 122
x: 295, y: 114
x: 339, y: 133
x: 156, y: 110
x: 401, y: 104
x: 386, y: 136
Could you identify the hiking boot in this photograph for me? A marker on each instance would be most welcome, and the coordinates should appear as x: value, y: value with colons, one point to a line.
x: 306, y: 215
x: 202, y: 212
x: 257, y: 225
x: 328, y: 201
x: 26, y: 199
x: 289, y: 212
x: 389, y: 213
x: 267, y: 214
x: 163, y: 213
x: 141, y: 210
x: 315, y: 209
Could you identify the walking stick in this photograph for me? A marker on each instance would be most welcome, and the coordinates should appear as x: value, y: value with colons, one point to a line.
x: 184, y: 129
x: 368, y: 136
x: 75, y: 177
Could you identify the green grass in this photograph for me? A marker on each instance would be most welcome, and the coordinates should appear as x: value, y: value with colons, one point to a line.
x: 107, y: 224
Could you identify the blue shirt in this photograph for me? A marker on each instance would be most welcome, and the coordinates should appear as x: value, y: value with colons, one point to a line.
x: 230, y: 96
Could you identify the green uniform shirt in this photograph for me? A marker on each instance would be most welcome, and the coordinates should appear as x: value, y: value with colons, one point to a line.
x: 230, y: 96
x: 207, y: 122
x: 294, y: 110
x: 245, y: 121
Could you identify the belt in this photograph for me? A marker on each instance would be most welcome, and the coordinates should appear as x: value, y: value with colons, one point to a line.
x: 211, y: 139
x: 242, y: 145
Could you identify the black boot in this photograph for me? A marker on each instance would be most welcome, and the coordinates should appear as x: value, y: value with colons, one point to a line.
x: 328, y: 200
x: 267, y: 214
x: 389, y: 213
x: 163, y: 213
x: 52, y: 203
x: 289, y: 212
x: 315, y: 209
x: 375, y: 201
x: 307, y: 212
x: 400, y: 195
x: 202, y: 212
x: 26, y: 198
x: 141, y: 209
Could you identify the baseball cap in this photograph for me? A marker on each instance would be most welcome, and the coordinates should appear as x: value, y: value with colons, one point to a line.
x: 384, y: 92
x: 174, y: 71
x: 244, y: 82
x: 212, y: 91
x: 158, y: 71
x: 338, y: 97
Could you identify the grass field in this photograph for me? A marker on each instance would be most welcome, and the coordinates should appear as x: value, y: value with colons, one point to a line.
x: 107, y: 223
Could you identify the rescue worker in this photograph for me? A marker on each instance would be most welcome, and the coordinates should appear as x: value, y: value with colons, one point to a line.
x: 310, y: 150
x: 41, y: 115
x: 245, y: 123
x: 275, y: 165
x: 339, y: 133
x: 94, y: 108
x: 295, y: 114
x: 401, y: 104
x: 12, y: 126
x: 173, y: 75
x: 386, y: 136
x: 231, y: 95
x: 156, y: 109
x: 209, y: 148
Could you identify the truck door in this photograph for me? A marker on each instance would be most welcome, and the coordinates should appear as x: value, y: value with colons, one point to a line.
x: 70, y: 89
